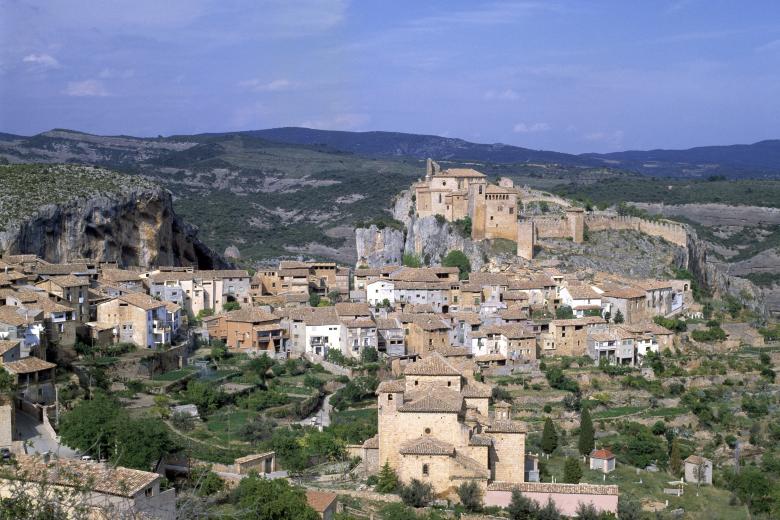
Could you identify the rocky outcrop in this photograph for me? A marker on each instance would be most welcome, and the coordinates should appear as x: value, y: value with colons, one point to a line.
x: 135, y: 228
x: 377, y: 247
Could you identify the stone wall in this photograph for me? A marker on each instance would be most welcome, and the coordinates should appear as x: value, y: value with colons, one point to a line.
x: 670, y: 231
x: 566, y: 497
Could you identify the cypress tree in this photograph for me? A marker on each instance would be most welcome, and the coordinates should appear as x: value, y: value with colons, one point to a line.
x: 675, y: 461
x: 572, y: 471
x: 388, y: 480
x: 549, y: 437
x: 586, y: 442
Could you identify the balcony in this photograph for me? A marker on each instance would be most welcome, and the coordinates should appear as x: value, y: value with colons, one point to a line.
x: 160, y: 327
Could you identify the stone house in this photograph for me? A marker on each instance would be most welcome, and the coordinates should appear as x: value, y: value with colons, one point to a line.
x: 71, y: 291
x: 380, y: 290
x: 425, y: 332
x: 629, y: 301
x: 464, y: 325
x: 613, y: 344
x: 698, y: 470
x: 251, y: 331
x: 137, y: 318
x: 568, y: 337
x: 116, y: 492
x: 659, y: 297
x: 202, y: 290
x: 390, y: 337
x: 602, y: 460
x: 323, y: 331
x: 582, y: 299
x: 25, y: 325
x: 58, y: 320
x: 34, y: 379
x: 435, y: 426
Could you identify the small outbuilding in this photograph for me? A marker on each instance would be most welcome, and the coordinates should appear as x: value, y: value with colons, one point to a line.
x: 698, y: 470
x: 602, y: 460
x: 323, y: 502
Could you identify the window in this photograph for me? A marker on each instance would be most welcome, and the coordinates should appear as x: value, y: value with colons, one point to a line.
x: 389, y: 397
x: 148, y: 492
x: 415, y: 382
x: 449, y: 383
x: 427, y: 431
x: 425, y: 470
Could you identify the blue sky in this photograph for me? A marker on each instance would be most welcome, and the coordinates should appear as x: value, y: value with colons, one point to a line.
x: 570, y: 76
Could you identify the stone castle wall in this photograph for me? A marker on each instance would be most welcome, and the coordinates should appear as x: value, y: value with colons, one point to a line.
x: 669, y: 231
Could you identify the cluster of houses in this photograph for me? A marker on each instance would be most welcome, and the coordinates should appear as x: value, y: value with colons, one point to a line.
x: 431, y: 319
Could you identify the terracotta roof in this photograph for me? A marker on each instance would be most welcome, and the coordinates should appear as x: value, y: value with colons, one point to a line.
x: 433, y: 365
x: 353, y: 309
x: 172, y: 307
x: 427, y: 445
x: 471, y: 318
x: 489, y: 278
x: 100, y: 478
x: 28, y: 365
x: 223, y: 273
x: 468, y: 468
x: 506, y: 427
x: 13, y: 315
x: 416, y: 274
x: 475, y: 389
x: 435, y: 400
x: 372, y: 443
x: 602, y: 454
x: 322, y: 316
x: 650, y: 285
x: 391, y: 387
x: 254, y: 456
x: 250, y: 315
x: 480, y: 440
x: 624, y: 293
x: 140, y: 300
x: 586, y: 320
x: 695, y: 459
x: 120, y: 275
x: 582, y: 292
x: 8, y: 344
x: 364, y: 323
x: 69, y: 281
x: 486, y: 358
x: 53, y: 269
x: 502, y: 404
x: 460, y: 172
x: 320, y: 501
x: 387, y: 323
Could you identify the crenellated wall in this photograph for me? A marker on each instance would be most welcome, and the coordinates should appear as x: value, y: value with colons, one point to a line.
x: 669, y: 231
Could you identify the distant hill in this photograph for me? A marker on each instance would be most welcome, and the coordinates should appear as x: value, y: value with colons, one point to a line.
x: 739, y: 160
x: 418, y: 146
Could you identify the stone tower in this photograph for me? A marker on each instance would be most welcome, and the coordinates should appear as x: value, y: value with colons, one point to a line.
x: 526, y: 239
x: 576, y: 218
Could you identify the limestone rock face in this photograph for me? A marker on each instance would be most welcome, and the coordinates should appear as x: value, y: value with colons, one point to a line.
x: 232, y: 253
x: 431, y: 241
x: 377, y: 247
x: 135, y: 228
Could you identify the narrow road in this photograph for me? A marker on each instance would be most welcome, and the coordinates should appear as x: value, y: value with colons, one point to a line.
x: 321, y: 416
x: 38, y: 439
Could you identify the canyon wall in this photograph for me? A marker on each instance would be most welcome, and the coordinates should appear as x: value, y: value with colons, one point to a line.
x: 135, y: 228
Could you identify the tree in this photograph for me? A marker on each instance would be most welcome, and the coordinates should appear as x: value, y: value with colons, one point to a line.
x: 752, y: 487
x: 231, y: 306
x: 675, y: 460
x: 572, y: 471
x: 521, y: 507
x: 388, y: 479
x: 218, y: 349
x: 618, y: 317
x: 258, y: 430
x: 397, y: 511
x: 587, y: 512
x: 140, y: 442
x: 628, y: 509
x: 470, y: 496
x: 204, y: 395
x: 91, y: 425
x: 273, y: 499
x: 205, y: 481
x: 417, y: 493
x: 334, y: 296
x: 411, y: 260
x: 369, y: 355
x: 456, y: 258
x: 549, y: 437
x: 607, y: 316
x: 314, y: 299
x: 564, y: 312
x: 549, y: 512
x: 586, y: 441
x: 260, y: 365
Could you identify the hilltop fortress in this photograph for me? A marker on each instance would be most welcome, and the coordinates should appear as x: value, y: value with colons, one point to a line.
x: 495, y: 211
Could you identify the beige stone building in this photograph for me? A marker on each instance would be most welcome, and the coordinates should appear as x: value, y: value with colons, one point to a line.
x: 435, y: 425
x: 136, y: 318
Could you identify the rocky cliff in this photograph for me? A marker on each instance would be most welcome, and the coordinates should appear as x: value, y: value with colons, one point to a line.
x: 133, y: 226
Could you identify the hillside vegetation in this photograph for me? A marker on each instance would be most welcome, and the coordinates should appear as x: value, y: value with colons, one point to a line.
x: 28, y: 187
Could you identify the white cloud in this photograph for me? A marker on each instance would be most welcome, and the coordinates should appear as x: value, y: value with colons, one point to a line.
x: 346, y: 121
x: 530, y: 128
x: 86, y: 88
x: 258, y: 85
x: 503, y: 95
x: 43, y: 61
x: 772, y: 46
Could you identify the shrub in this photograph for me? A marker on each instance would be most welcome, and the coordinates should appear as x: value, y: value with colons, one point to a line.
x: 417, y: 493
x: 572, y: 471
x: 456, y: 258
x: 470, y: 496
x: 387, y: 480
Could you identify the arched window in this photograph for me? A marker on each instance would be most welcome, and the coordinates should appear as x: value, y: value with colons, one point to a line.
x: 425, y: 470
x: 389, y: 397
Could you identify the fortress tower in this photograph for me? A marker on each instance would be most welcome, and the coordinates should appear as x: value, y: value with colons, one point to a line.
x: 526, y: 239
x: 576, y: 219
